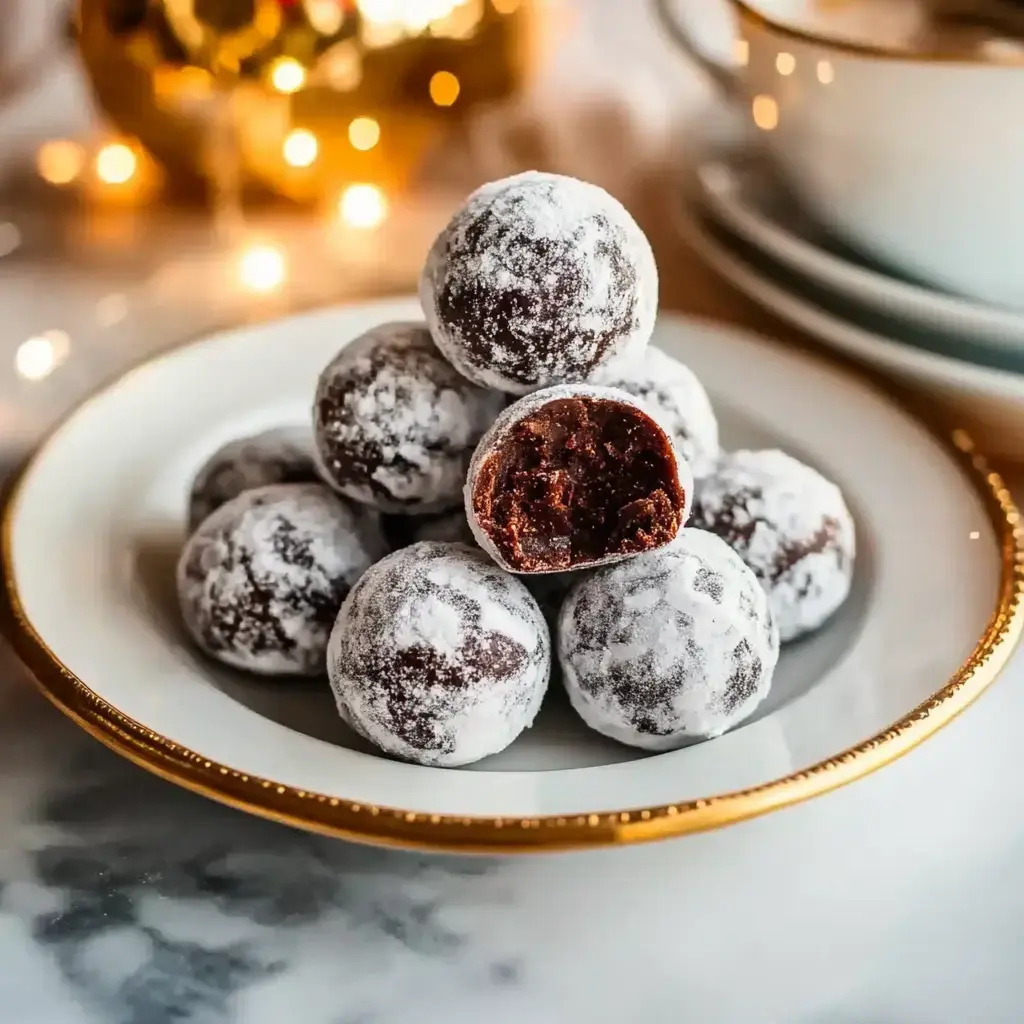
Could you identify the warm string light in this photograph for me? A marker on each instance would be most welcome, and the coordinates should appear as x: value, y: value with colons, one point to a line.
x: 300, y: 148
x: 363, y: 206
x: 262, y: 269
x: 364, y: 133
x: 60, y: 161
x: 116, y: 164
x: 39, y: 356
x: 287, y: 75
x: 444, y: 88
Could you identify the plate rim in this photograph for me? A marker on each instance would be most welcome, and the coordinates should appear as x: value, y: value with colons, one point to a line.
x: 390, y: 826
x: 1002, y: 330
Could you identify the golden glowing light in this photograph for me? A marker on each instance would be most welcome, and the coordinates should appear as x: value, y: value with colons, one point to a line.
x: 364, y: 133
x: 116, y: 164
x: 363, y: 206
x: 765, y: 112
x: 785, y: 63
x: 460, y: 22
x: 60, y: 161
x: 975, y: 535
x: 300, y: 148
x: 262, y: 269
x: 826, y: 73
x: 38, y: 357
x: 444, y: 88
x: 506, y: 6
x: 343, y: 67
x: 741, y: 52
x: 326, y: 16
x: 287, y: 75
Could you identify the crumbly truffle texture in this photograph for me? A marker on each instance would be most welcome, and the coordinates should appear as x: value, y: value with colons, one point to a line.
x: 539, y: 280
x: 280, y: 456
x: 790, y: 525
x: 669, y: 647
x: 395, y: 425
x: 671, y: 393
x: 438, y: 656
x: 572, y: 477
x: 261, y: 581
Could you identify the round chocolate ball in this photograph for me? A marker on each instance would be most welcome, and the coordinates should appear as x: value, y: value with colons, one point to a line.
x: 671, y: 393
x: 674, y: 646
x: 538, y: 280
x: 283, y: 455
x: 395, y: 425
x: 572, y: 477
x: 261, y: 581
x: 790, y: 525
x: 438, y: 656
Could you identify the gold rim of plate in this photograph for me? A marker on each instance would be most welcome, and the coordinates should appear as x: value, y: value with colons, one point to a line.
x: 392, y: 826
x: 875, y: 51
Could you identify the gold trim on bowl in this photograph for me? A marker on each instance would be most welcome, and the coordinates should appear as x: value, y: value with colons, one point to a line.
x: 754, y: 18
x: 396, y: 827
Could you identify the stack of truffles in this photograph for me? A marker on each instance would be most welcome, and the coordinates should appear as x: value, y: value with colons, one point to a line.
x: 511, y: 477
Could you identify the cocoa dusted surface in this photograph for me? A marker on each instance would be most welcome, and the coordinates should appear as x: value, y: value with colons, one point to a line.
x: 576, y: 481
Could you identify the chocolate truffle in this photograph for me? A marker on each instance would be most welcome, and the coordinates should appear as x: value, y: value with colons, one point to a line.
x: 669, y: 647
x: 671, y: 393
x: 280, y: 456
x: 575, y: 476
x: 438, y: 656
x: 539, y: 280
x: 790, y: 525
x: 261, y: 581
x: 395, y: 425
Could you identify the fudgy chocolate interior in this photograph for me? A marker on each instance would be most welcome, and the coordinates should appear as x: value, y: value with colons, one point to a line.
x: 577, y: 480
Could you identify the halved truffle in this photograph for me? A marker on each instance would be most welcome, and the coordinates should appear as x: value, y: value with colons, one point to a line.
x: 572, y: 477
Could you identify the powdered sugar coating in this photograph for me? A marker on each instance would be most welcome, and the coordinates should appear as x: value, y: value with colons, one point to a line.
x: 527, y: 406
x: 395, y: 424
x: 261, y: 581
x: 670, y: 646
x: 439, y: 657
x: 538, y: 280
x: 671, y: 393
x: 790, y: 525
x: 283, y: 455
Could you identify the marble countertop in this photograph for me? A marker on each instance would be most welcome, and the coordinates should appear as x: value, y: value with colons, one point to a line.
x: 124, y: 900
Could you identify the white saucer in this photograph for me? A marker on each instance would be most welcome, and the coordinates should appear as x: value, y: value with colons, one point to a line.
x: 738, y: 191
x: 989, y: 402
x: 95, y: 522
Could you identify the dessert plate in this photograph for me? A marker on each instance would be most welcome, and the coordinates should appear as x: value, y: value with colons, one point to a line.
x: 94, y: 523
x: 987, y: 401
x: 738, y: 191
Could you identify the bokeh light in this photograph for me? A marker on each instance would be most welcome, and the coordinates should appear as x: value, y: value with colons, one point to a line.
x: 287, y: 75
x: 116, y: 164
x: 262, y: 269
x: 300, y: 148
x: 60, y: 161
x: 364, y: 133
x: 444, y: 88
x: 363, y: 206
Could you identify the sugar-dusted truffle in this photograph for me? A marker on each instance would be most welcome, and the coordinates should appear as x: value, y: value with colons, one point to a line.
x: 395, y: 425
x: 438, y: 656
x: 670, y: 391
x: 790, y: 525
x: 261, y: 581
x: 283, y: 455
x: 538, y: 280
x: 572, y: 477
x: 670, y: 647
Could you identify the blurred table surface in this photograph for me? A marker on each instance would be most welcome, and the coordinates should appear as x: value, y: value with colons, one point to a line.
x: 124, y: 900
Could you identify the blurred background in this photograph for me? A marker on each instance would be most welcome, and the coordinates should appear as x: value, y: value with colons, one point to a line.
x: 170, y: 166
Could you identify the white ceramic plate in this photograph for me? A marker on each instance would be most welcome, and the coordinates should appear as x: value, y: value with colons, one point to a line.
x: 94, y: 524
x: 738, y: 191
x: 988, y: 402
